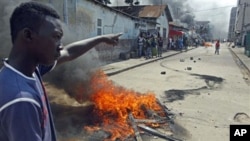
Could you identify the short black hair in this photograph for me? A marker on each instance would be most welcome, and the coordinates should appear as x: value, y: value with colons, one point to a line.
x: 29, y: 15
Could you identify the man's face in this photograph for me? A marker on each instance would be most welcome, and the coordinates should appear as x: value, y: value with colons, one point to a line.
x: 48, y: 41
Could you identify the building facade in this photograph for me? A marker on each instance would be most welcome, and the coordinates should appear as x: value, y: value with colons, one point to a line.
x: 242, y: 24
x: 231, y: 33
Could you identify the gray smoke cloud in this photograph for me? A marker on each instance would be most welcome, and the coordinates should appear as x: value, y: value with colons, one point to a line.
x: 217, y: 14
x: 74, y: 76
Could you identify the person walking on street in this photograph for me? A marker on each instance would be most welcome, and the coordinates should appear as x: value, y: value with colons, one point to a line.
x: 217, y: 47
x: 36, y: 33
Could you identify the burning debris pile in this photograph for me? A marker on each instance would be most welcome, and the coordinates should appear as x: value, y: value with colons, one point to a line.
x: 122, y: 114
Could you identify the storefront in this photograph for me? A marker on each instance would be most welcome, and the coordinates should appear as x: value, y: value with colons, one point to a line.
x: 174, y: 33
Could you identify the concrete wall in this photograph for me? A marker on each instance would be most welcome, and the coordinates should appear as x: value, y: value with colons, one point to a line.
x: 164, y: 28
x: 163, y: 24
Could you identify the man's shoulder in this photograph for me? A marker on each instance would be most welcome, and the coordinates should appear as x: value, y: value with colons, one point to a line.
x: 12, y: 85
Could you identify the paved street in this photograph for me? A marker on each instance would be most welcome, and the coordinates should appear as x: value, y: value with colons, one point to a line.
x: 119, y: 67
x: 207, y: 92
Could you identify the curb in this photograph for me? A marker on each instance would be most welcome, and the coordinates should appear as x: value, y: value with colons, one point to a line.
x: 138, y: 65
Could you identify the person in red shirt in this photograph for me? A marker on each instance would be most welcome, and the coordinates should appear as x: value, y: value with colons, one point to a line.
x: 217, y: 47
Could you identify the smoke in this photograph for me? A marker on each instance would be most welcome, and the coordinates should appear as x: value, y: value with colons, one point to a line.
x: 6, y: 8
x: 74, y: 76
x: 180, y: 9
x: 217, y: 13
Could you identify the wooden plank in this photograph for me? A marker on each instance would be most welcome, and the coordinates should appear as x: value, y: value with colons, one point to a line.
x: 157, y: 133
x: 137, y: 132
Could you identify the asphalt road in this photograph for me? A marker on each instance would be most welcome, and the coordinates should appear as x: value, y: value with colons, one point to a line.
x: 205, y: 91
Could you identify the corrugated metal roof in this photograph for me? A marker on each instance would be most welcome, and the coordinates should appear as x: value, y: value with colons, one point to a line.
x: 152, y: 11
x: 146, y: 11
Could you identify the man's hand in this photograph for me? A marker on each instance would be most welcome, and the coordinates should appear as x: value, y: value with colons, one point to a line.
x: 112, y: 38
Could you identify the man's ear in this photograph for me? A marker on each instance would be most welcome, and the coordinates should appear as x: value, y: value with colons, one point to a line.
x: 27, y: 34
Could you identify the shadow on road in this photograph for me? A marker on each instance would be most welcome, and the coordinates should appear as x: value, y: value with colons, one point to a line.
x: 212, y: 83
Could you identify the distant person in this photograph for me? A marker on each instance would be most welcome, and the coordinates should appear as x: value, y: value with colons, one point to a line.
x: 36, y: 33
x: 140, y: 42
x: 185, y: 43
x: 180, y: 43
x: 196, y: 41
x: 160, y: 46
x: 148, y: 48
x: 170, y: 44
x: 217, y: 47
x: 154, y: 46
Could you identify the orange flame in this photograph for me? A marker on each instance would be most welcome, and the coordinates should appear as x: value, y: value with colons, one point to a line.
x: 114, y: 103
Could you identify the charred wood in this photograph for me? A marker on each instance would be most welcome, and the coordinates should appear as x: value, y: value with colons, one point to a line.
x: 149, y: 121
x: 157, y: 133
x: 137, y: 132
x: 168, y: 113
x: 151, y: 113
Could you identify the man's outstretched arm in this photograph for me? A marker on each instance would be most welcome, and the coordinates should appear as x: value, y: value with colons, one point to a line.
x: 78, y: 48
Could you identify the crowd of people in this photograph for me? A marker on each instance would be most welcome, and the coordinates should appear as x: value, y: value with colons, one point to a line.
x: 151, y: 45
x: 178, y: 43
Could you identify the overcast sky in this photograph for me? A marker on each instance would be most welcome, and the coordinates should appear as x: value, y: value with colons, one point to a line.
x: 214, y: 9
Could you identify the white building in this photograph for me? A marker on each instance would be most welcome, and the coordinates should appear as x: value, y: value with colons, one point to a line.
x: 89, y: 18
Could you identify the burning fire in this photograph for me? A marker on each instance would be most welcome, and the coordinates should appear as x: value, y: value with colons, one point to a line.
x: 113, y: 105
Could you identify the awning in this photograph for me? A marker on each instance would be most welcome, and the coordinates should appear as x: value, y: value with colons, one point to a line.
x: 173, y: 33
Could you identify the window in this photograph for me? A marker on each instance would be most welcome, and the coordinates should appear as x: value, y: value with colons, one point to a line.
x: 158, y: 28
x: 99, y: 31
x: 99, y: 22
x: 99, y: 26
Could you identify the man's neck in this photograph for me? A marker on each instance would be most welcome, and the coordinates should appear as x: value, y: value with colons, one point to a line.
x: 21, y: 63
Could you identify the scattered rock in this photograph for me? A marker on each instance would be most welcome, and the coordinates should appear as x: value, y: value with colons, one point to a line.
x: 189, y: 68
x: 163, y: 72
